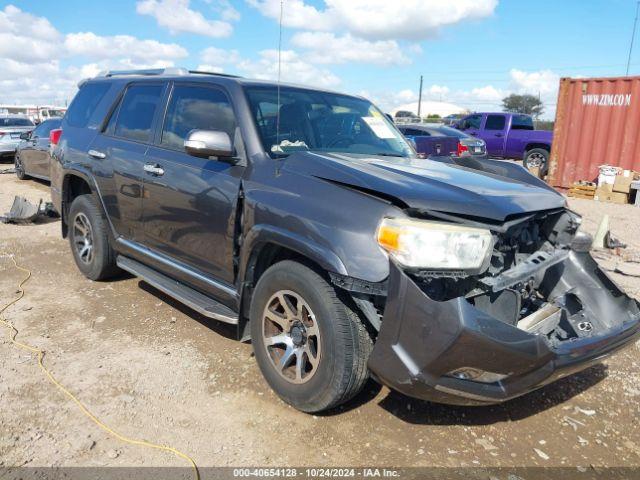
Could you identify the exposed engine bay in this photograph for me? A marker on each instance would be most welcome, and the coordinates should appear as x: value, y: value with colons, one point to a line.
x: 537, y: 279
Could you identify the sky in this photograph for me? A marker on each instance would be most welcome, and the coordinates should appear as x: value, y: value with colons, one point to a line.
x: 471, y: 52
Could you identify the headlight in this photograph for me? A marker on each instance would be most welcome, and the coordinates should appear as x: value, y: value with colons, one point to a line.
x: 438, y: 246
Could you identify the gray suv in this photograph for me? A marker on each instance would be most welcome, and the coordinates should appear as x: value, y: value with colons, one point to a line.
x: 306, y: 219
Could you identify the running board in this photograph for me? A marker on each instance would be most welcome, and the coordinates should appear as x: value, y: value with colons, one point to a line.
x: 186, y: 295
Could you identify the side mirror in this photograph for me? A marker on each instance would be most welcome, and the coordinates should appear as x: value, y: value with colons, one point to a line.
x: 208, y: 143
x: 25, y: 136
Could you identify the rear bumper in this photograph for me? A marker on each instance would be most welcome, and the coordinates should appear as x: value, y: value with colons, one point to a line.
x: 8, y: 148
x: 422, y: 340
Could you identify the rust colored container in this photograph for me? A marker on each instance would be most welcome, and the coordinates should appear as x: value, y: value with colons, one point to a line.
x: 597, y: 123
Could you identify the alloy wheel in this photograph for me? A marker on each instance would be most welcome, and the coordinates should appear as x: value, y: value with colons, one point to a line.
x: 19, y: 166
x: 83, y: 238
x: 291, y: 336
x: 536, y: 160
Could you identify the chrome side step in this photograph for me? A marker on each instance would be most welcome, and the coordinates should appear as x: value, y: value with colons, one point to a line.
x: 186, y: 295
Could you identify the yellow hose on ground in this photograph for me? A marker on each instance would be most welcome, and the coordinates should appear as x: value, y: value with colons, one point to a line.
x: 41, y: 353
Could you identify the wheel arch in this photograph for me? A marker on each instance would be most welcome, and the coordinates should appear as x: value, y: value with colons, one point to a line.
x: 265, y: 246
x: 532, y: 145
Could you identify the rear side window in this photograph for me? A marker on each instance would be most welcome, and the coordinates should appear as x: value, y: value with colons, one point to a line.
x: 471, y: 122
x: 522, y: 122
x: 85, y: 103
x: 45, y: 128
x: 136, y: 112
x: 495, y: 122
x: 196, y: 108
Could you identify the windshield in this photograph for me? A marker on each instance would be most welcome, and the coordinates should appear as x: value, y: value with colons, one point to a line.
x: 15, y: 122
x: 322, y: 122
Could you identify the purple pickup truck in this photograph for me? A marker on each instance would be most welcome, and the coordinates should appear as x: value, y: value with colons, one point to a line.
x: 510, y: 135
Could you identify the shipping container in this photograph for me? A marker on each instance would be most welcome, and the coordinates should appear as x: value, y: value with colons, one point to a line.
x: 597, y: 123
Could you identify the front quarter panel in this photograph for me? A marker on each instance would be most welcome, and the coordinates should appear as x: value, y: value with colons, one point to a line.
x: 331, y: 224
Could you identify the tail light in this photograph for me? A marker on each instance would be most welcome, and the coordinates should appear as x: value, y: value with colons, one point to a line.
x: 54, y: 136
x: 462, y: 149
x: 2, y: 134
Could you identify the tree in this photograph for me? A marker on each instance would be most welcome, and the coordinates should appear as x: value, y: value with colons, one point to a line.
x: 529, y: 104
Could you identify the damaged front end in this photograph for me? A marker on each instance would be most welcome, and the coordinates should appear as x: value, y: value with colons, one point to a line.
x: 538, y: 309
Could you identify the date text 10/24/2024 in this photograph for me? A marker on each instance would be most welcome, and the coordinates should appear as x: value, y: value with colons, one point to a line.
x: 317, y: 472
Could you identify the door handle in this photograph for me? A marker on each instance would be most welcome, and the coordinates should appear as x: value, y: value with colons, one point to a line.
x: 97, y: 154
x: 154, y: 169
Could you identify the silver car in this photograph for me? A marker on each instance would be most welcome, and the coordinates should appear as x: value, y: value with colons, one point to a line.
x: 11, y: 127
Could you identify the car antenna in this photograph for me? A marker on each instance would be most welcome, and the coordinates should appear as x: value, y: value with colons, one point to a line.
x: 279, y: 74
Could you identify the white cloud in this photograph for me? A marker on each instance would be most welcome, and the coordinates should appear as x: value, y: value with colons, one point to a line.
x: 97, y: 47
x: 378, y: 19
x: 544, y: 82
x: 294, y: 69
x: 219, y: 56
x: 40, y: 64
x: 296, y: 14
x: 178, y: 17
x: 325, y: 47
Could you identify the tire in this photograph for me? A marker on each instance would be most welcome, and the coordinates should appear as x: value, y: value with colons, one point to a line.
x: 19, y: 166
x: 342, y: 344
x: 535, y: 156
x: 99, y: 262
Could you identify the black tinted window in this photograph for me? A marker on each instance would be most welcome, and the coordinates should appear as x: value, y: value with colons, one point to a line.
x: 522, y: 122
x: 136, y: 112
x: 495, y: 122
x: 15, y: 122
x: 45, y: 128
x: 414, y: 132
x: 472, y: 122
x: 85, y: 103
x: 196, y: 108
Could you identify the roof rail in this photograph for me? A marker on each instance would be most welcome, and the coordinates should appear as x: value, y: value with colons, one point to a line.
x: 217, y: 74
x: 144, y: 72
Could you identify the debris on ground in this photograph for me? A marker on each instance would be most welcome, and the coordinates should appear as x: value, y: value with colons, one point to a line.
x: 23, y: 211
x: 7, y: 171
x: 541, y: 454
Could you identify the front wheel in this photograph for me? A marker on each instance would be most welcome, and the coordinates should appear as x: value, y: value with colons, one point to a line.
x: 537, y: 157
x: 310, y: 345
x: 19, y: 166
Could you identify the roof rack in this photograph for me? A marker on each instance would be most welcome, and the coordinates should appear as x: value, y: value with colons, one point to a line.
x: 159, y: 71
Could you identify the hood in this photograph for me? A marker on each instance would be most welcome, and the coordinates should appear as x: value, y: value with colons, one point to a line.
x: 434, y: 185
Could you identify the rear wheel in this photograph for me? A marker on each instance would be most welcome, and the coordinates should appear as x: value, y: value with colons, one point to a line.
x: 537, y: 157
x: 19, y: 166
x: 89, y: 239
x: 310, y: 345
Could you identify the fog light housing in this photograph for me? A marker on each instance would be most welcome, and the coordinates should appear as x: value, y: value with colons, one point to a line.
x: 476, y: 375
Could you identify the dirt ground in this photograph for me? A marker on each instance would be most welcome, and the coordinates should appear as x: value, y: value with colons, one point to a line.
x: 155, y: 370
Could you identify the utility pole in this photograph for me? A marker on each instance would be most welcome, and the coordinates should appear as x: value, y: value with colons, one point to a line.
x: 420, y: 96
x: 633, y: 35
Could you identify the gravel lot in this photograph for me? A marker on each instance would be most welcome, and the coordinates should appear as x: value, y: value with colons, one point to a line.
x: 153, y: 369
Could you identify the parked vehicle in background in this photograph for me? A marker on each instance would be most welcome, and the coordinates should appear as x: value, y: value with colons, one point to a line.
x: 510, y: 135
x: 11, y: 127
x: 404, y: 116
x: 437, y: 139
x: 304, y: 217
x: 450, y: 120
x: 33, y: 152
x: 36, y: 113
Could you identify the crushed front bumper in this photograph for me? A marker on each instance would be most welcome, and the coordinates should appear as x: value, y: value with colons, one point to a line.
x: 422, y: 341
